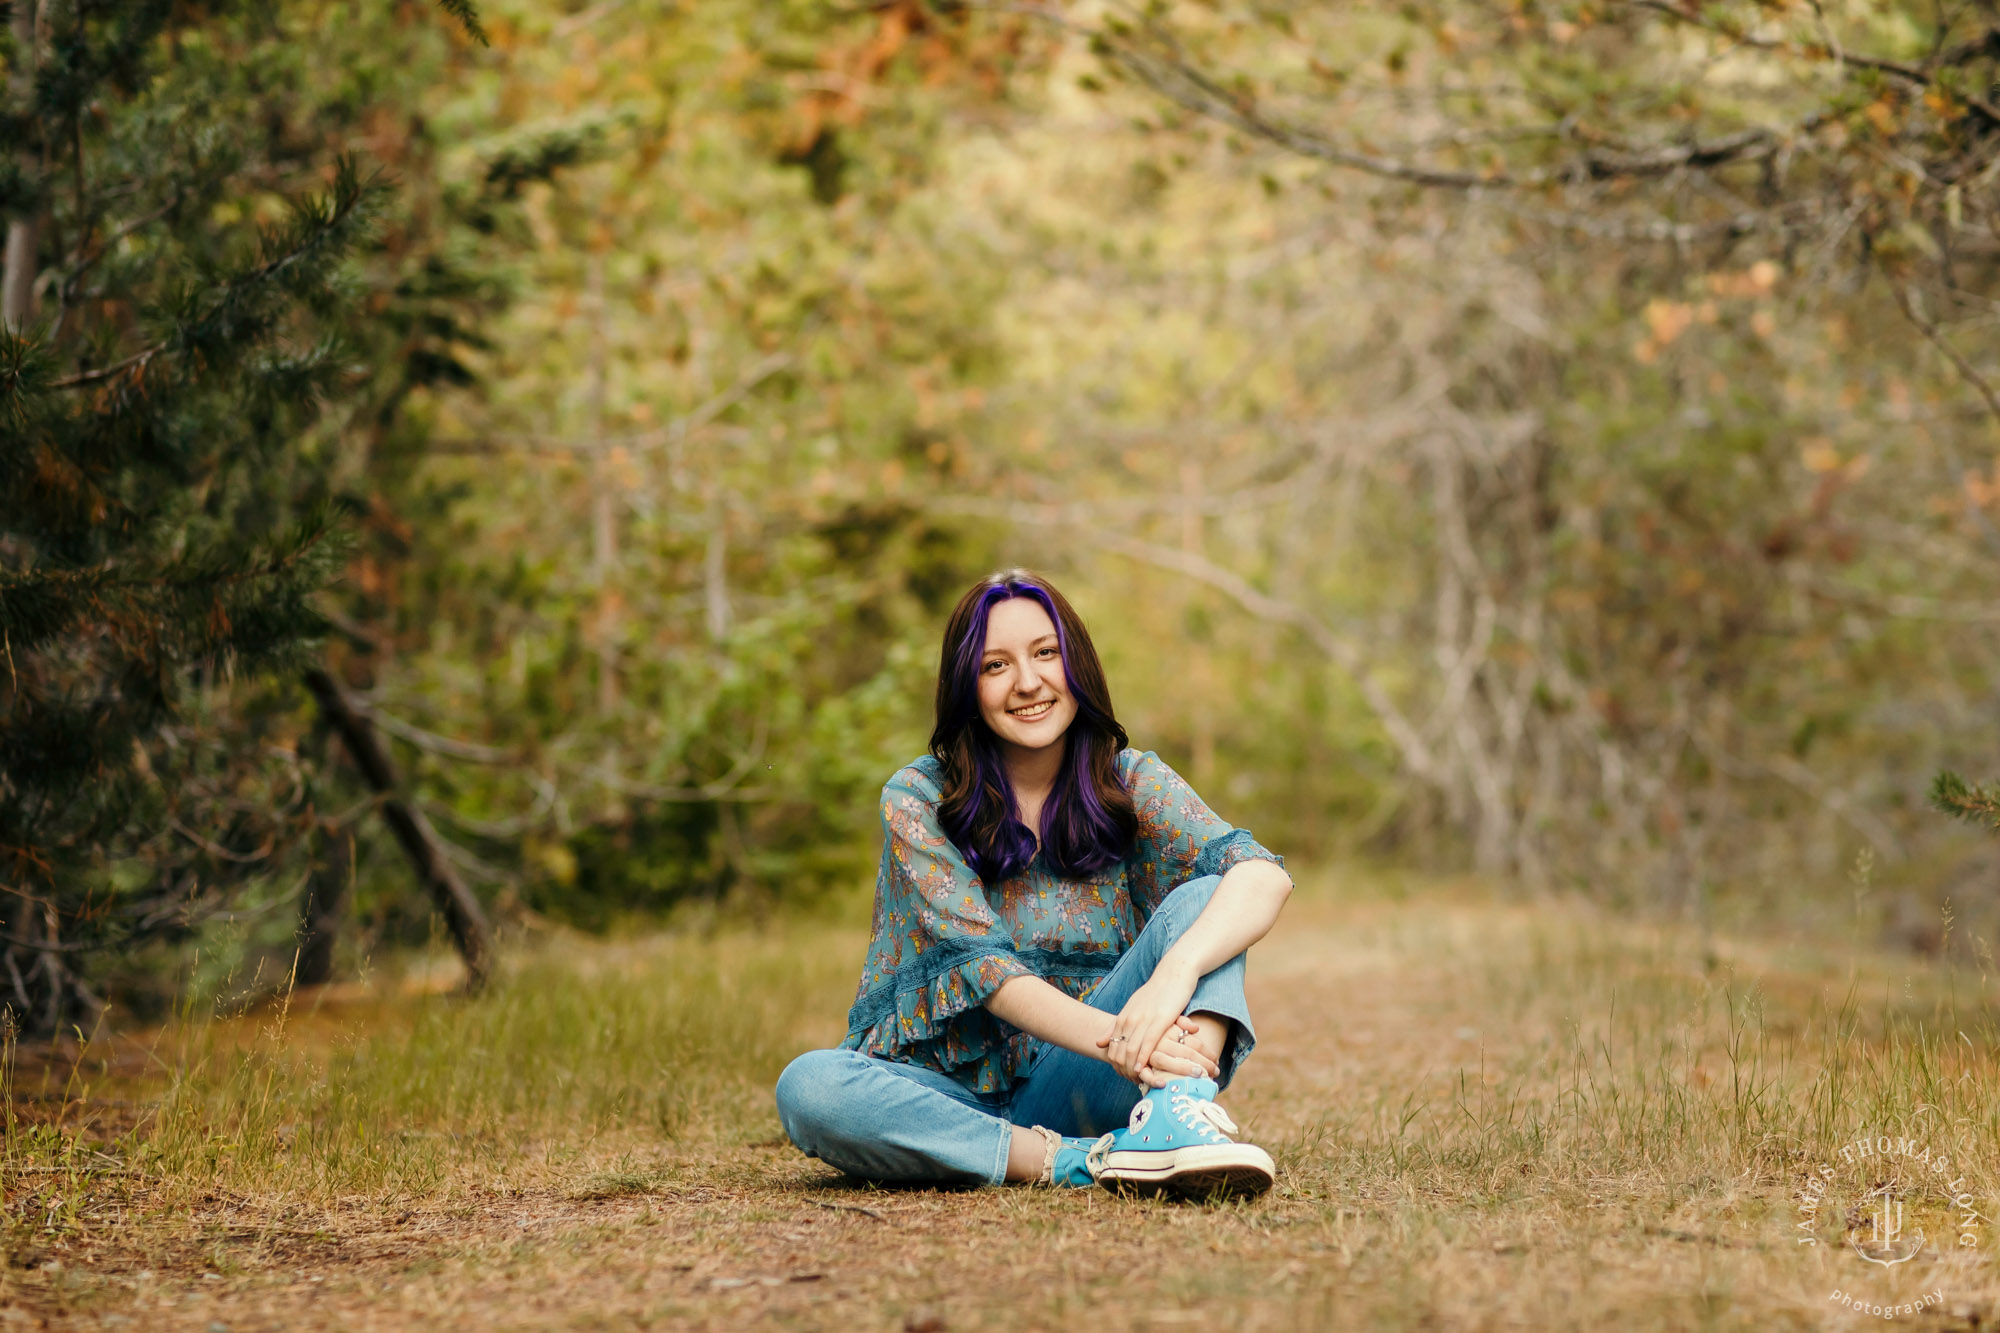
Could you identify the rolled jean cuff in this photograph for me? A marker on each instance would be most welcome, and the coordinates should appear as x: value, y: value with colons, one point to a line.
x: 1002, y: 1149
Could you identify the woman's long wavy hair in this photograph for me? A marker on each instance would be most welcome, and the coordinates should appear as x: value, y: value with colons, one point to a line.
x: 1088, y: 821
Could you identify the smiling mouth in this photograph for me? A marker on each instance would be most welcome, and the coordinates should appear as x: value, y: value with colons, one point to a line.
x: 1033, y: 712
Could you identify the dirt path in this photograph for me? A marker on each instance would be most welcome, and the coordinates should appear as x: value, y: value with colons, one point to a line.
x: 1384, y: 1037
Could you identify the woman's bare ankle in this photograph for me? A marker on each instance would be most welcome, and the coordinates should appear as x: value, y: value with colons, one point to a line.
x: 1211, y: 1035
x: 1025, y: 1156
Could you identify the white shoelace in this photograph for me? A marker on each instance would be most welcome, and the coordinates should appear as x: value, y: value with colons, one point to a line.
x: 1204, y: 1117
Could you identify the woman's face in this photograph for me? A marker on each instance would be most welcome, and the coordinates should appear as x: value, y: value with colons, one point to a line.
x: 1023, y: 694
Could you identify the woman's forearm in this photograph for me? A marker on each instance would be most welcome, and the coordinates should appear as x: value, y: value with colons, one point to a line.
x: 1040, y: 1010
x: 1242, y: 911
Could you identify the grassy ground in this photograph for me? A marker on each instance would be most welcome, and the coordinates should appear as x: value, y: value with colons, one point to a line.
x: 1485, y: 1115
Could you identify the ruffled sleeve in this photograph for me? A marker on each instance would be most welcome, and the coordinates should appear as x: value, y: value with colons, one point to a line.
x: 937, y: 950
x: 1180, y: 838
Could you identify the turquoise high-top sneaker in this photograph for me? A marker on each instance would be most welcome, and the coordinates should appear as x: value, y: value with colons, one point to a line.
x: 1177, y: 1141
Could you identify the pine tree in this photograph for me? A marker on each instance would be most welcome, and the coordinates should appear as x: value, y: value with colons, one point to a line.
x: 177, y: 317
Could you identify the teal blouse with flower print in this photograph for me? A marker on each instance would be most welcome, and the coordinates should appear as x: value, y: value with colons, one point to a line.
x: 943, y: 941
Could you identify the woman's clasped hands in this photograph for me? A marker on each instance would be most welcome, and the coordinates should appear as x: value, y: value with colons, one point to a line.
x: 1151, y: 1041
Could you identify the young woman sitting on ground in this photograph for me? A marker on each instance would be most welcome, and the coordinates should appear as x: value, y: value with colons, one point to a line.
x: 1054, y: 987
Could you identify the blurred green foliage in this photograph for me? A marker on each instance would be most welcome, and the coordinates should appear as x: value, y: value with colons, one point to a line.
x: 1532, y: 437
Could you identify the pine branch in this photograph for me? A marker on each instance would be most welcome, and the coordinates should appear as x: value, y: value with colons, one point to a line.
x: 468, y: 18
x: 540, y: 157
x: 298, y: 259
x: 1971, y: 802
x: 244, y: 601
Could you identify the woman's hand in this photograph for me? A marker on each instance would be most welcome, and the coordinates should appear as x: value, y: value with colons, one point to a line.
x: 1179, y: 1055
x: 1155, y: 1007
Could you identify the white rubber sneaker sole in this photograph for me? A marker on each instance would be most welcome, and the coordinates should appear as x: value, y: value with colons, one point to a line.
x: 1199, y: 1170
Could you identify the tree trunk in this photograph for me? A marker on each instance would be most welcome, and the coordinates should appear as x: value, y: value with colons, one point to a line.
x: 17, y: 271
x: 419, y: 841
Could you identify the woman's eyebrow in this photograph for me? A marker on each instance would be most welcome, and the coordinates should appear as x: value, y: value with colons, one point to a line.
x: 992, y: 653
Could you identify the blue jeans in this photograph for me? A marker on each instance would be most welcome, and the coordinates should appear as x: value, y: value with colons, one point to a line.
x: 881, y: 1120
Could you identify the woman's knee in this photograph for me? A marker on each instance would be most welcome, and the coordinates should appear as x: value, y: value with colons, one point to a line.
x: 811, y: 1093
x: 1185, y: 901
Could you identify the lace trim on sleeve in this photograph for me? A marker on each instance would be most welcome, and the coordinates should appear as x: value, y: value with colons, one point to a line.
x: 1219, y: 854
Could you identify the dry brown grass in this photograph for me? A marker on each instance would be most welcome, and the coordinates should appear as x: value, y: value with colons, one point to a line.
x: 1486, y: 1115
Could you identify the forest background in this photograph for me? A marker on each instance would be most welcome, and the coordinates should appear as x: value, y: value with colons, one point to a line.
x: 1554, y: 440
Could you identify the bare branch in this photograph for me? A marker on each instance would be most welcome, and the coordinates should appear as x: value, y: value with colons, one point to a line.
x: 430, y: 741
x: 1910, y: 74
x: 219, y: 851
x: 1159, y: 66
x: 1952, y: 354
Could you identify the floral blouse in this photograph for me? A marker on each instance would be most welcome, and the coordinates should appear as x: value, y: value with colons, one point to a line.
x: 943, y: 942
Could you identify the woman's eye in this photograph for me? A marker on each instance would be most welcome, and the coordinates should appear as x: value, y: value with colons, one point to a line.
x: 1048, y: 652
